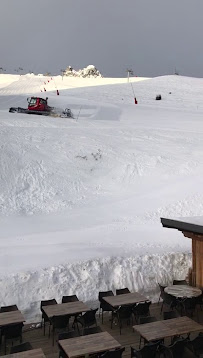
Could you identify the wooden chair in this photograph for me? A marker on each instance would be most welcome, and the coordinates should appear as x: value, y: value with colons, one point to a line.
x: 121, y: 314
x: 8, y: 308
x: 161, y: 287
x: 91, y: 330
x: 72, y: 298
x: 66, y: 335
x: 104, y: 306
x: 21, y: 348
x: 87, y: 320
x: 180, y: 282
x: 116, y: 353
x: 170, y: 315
x: 122, y: 291
x: 148, y: 351
x: 196, y: 346
x: 12, y: 333
x: 178, y: 348
x: 59, y: 323
x: 45, y: 319
x: 141, y: 310
x: 144, y: 320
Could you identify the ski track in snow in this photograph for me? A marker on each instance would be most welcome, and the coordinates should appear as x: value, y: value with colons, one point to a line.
x: 81, y: 199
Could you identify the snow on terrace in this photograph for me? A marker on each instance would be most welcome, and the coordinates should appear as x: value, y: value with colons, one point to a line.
x: 81, y: 199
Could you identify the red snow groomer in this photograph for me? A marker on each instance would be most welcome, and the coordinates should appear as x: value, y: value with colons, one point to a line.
x: 39, y: 106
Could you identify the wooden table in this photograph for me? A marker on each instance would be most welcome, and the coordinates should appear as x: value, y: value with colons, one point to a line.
x: 183, y: 291
x: 12, y: 317
x: 90, y: 344
x: 125, y: 299
x: 70, y: 308
x: 167, y: 328
x: 33, y: 353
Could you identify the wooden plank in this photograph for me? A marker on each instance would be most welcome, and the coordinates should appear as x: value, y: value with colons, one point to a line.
x: 90, y: 344
x: 183, y: 325
x: 190, y: 227
x: 33, y: 353
x: 12, y: 317
x: 197, y: 254
x: 192, y: 235
x: 180, y: 291
x: 125, y: 299
x: 153, y: 330
x: 167, y: 328
x: 70, y: 308
x: 194, y: 262
x: 199, y: 263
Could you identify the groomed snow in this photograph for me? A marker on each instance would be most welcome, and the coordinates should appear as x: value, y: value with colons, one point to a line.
x: 81, y: 199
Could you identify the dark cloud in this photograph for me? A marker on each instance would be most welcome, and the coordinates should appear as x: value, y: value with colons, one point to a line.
x: 151, y: 37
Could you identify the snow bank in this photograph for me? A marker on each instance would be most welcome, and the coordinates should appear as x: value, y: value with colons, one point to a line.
x: 86, y: 279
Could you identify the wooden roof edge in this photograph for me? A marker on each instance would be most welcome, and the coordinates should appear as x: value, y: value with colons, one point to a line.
x: 192, y: 231
x: 193, y: 235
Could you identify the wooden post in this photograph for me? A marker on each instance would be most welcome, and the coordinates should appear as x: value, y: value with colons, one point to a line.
x: 197, y: 258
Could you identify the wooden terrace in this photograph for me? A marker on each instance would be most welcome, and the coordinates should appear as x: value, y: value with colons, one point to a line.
x: 127, y: 338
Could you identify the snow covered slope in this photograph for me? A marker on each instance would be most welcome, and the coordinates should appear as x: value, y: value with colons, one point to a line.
x: 81, y: 199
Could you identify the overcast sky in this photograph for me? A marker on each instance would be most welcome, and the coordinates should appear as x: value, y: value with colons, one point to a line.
x: 152, y: 37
